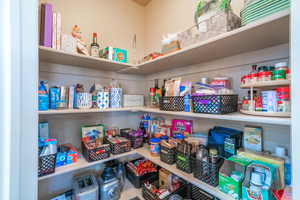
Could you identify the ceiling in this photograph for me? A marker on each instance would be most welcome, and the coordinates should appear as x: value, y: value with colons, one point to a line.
x: 142, y: 2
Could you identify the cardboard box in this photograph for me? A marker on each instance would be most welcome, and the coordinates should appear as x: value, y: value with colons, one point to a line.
x: 107, y: 53
x: 228, y: 184
x: 265, y: 192
x: 120, y: 55
x: 163, y: 178
x: 263, y: 157
x: 253, y: 138
x: 133, y: 100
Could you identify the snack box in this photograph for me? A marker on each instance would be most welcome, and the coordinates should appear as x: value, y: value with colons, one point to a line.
x: 253, y: 138
x: 120, y: 55
x: 185, y: 127
x: 107, y: 53
x: 263, y: 192
x: 267, y: 158
x: 231, y: 175
x: 92, y: 133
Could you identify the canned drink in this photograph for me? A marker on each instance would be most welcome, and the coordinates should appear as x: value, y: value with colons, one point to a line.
x: 269, y: 101
x: 54, y: 97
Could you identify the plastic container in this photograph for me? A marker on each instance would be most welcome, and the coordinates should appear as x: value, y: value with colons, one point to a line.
x: 264, y: 76
x: 215, y: 104
x: 118, y: 145
x: 149, y: 195
x: 46, y: 164
x: 280, y: 71
x: 154, y: 146
x: 95, y: 154
x: 138, y: 181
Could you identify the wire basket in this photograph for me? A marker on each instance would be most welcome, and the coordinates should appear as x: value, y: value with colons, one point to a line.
x: 119, y: 147
x: 208, y: 172
x: 46, y: 164
x: 215, y: 104
x: 149, y: 195
x: 138, y: 181
x: 95, y: 154
x: 185, y: 162
x: 167, y: 155
x: 175, y: 103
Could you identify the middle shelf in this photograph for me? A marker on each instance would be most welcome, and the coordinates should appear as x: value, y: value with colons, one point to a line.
x: 230, y: 117
x: 144, y: 152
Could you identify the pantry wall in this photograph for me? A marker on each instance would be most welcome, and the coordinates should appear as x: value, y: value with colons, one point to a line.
x: 98, y: 17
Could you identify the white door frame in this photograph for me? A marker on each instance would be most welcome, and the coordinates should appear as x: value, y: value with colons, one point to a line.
x: 295, y: 66
x: 18, y: 102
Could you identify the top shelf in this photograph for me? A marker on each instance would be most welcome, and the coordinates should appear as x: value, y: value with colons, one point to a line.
x: 60, y: 57
x: 267, y: 32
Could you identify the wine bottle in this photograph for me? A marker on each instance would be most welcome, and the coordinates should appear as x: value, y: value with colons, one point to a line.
x: 95, y: 46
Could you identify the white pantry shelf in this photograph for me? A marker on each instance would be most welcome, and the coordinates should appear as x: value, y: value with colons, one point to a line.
x: 267, y: 32
x: 230, y: 117
x: 82, y: 163
x: 267, y: 84
x: 267, y: 114
x: 60, y: 57
x: 188, y: 177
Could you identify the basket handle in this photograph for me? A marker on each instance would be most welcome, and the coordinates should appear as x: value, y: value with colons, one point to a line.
x: 203, y: 101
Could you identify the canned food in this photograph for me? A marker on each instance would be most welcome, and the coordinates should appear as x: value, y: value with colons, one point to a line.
x: 269, y: 101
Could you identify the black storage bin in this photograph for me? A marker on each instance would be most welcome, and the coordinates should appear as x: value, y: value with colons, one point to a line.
x: 98, y: 153
x: 172, y: 103
x: 185, y: 162
x: 46, y: 164
x: 208, y: 172
x: 138, y: 181
x: 136, y: 141
x: 148, y: 195
x: 167, y: 155
x: 215, y: 104
x: 120, y: 147
x: 196, y: 193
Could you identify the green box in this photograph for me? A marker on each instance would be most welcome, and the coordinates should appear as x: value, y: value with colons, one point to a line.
x: 236, y: 165
x: 265, y: 192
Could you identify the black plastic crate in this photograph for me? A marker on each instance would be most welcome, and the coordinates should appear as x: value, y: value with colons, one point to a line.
x: 136, y: 141
x: 149, y: 195
x: 167, y: 155
x: 215, y: 104
x: 185, y: 162
x: 196, y: 193
x: 208, y: 172
x: 172, y: 103
x: 120, y: 147
x: 46, y: 164
x: 138, y: 181
x: 95, y: 154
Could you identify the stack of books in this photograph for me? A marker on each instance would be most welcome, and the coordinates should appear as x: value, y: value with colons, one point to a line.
x: 258, y: 9
x: 50, y: 27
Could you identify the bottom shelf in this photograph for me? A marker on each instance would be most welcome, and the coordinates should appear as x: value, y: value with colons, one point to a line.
x: 267, y: 114
x: 188, y: 177
x: 129, y: 192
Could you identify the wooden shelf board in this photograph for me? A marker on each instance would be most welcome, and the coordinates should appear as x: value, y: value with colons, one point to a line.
x: 82, y: 163
x: 231, y: 117
x: 267, y: 114
x: 188, y: 177
x: 60, y: 57
x: 267, y: 32
x: 267, y: 84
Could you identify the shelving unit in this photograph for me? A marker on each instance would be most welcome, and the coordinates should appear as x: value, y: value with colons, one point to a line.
x: 268, y: 32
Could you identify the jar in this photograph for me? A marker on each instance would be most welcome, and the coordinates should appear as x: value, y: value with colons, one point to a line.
x: 179, y: 138
x: 283, y: 99
x: 155, y: 146
x: 245, y: 103
x: 253, y: 77
x: 288, y: 74
x: 280, y: 71
x: 258, y: 103
x: 264, y: 76
x: 164, y: 137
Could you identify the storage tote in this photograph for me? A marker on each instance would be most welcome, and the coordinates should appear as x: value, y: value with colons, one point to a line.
x: 215, y: 104
x: 175, y: 103
x: 94, y: 154
x: 46, y: 164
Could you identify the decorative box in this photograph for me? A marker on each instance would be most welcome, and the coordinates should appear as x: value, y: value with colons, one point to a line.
x: 103, y: 100
x: 116, y: 97
x: 133, y: 100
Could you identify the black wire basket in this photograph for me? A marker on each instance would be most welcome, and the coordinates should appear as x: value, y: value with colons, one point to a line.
x: 167, y: 155
x: 175, y: 103
x: 46, y: 164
